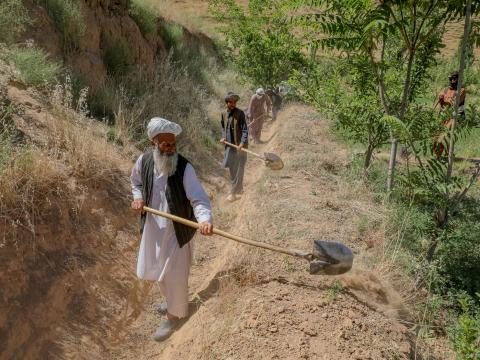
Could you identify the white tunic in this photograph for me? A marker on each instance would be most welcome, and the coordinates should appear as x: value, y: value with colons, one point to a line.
x: 160, y: 257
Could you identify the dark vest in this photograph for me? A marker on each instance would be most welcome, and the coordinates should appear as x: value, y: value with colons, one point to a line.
x: 178, y: 203
x: 237, y: 131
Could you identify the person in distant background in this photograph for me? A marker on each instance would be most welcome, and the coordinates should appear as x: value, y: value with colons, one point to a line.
x: 446, y: 99
x: 447, y: 96
x: 235, y: 131
x: 258, y: 109
x: 277, y: 100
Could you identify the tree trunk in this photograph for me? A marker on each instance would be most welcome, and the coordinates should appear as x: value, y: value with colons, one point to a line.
x: 368, y: 158
x: 391, y: 165
x: 463, y: 53
x: 441, y: 219
x: 403, y: 110
x: 442, y: 214
x: 432, y: 248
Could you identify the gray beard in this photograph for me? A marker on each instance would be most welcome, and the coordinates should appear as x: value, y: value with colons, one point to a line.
x: 165, y: 164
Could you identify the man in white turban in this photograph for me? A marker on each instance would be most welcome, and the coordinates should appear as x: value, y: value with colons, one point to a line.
x: 164, y: 180
x: 258, y: 109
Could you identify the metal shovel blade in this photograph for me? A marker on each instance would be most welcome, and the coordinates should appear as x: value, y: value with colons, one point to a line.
x: 330, y: 258
x: 273, y: 161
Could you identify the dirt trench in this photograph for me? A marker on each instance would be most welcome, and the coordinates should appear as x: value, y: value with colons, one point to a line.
x: 251, y: 304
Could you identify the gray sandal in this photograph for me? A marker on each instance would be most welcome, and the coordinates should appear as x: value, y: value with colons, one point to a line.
x: 166, y: 328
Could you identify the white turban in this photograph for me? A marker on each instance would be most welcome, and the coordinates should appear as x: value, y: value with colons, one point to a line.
x: 260, y: 91
x: 162, y: 126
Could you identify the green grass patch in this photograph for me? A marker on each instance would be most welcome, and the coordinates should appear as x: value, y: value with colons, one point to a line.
x: 172, y: 35
x: 13, y: 18
x: 465, y: 332
x: 144, y: 17
x: 34, y: 67
x: 119, y: 58
x: 67, y: 17
x: 468, y: 147
x: 335, y: 289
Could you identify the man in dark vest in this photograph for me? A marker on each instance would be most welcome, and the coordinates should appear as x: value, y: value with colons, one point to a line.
x: 235, y: 131
x: 164, y: 180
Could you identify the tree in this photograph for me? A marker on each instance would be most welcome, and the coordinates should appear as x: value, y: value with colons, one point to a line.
x: 340, y: 89
x: 260, y: 40
x: 367, y: 27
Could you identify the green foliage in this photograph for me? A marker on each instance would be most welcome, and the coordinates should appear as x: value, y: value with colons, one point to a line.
x: 457, y: 266
x: 172, y: 35
x: 68, y: 20
x: 13, y: 18
x: 335, y: 289
x: 465, y: 333
x: 260, y: 40
x: 33, y: 66
x: 119, y: 58
x: 345, y: 90
x: 193, y: 58
x: 7, y: 133
x: 144, y: 17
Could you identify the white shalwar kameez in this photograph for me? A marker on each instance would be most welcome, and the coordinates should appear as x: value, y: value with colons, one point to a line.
x: 160, y: 257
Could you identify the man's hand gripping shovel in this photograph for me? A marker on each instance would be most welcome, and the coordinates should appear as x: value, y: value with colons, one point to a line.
x: 326, y: 258
x: 272, y: 161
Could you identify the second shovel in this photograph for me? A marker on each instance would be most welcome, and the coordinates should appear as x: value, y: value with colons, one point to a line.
x: 272, y: 161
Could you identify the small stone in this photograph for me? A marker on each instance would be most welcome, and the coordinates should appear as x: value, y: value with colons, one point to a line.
x: 347, y: 323
x: 351, y: 314
x: 325, y: 315
x: 273, y: 329
x: 404, y: 348
x: 310, y: 332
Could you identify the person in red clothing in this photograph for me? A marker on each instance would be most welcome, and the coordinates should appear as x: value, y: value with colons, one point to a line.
x: 446, y: 99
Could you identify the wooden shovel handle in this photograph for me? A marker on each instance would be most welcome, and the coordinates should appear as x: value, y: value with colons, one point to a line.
x: 239, y: 239
x: 242, y: 149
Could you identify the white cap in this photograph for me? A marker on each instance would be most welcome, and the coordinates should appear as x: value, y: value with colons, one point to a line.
x: 260, y: 91
x: 159, y: 125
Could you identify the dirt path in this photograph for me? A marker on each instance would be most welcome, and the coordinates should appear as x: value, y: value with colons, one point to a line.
x: 247, y: 303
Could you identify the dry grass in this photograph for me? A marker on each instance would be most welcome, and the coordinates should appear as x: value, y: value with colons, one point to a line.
x: 79, y: 141
x: 29, y: 183
x: 36, y: 175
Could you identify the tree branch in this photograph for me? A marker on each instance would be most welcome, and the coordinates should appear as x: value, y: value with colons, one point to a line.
x: 462, y: 195
x: 402, y: 29
x: 417, y: 35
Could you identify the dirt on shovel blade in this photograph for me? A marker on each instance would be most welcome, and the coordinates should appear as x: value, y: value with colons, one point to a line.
x: 273, y: 161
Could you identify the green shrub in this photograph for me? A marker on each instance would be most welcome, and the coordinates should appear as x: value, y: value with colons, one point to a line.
x: 172, y: 35
x: 465, y: 333
x: 68, y: 19
x: 458, y: 256
x: 13, y: 18
x: 119, y: 58
x: 33, y: 66
x: 144, y: 16
x: 7, y: 133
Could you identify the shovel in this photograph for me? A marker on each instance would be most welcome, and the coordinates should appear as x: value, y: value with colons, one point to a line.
x: 326, y: 258
x: 272, y: 161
